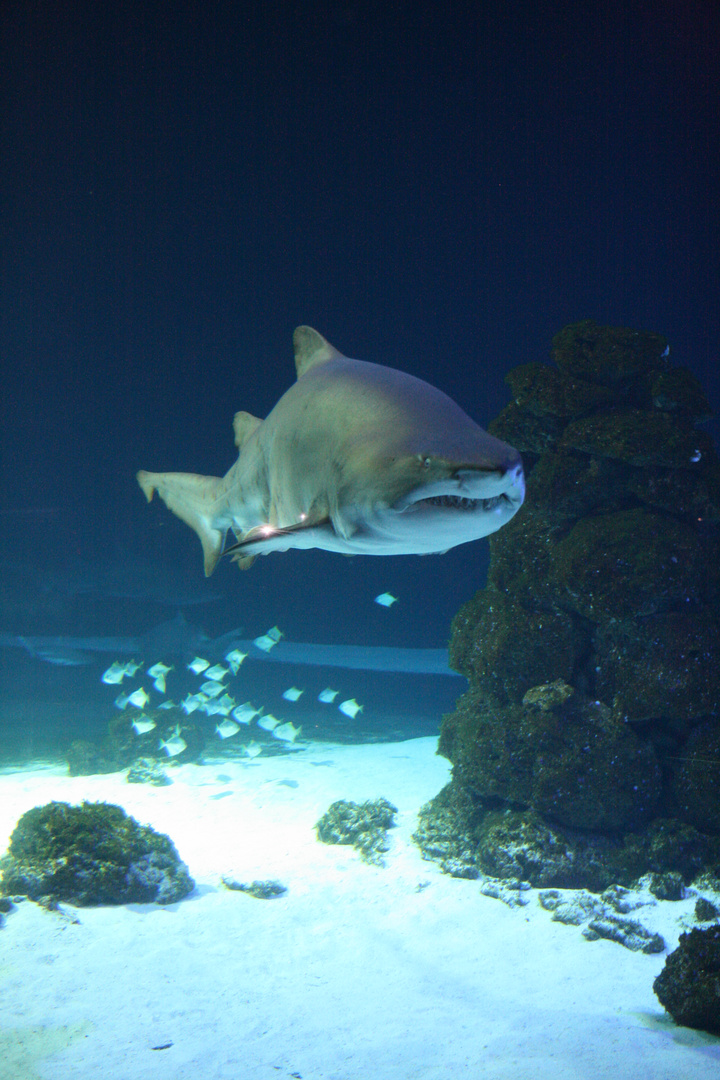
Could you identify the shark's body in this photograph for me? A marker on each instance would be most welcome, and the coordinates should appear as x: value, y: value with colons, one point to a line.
x: 355, y: 458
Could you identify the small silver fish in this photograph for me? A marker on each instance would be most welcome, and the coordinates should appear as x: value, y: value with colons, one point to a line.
x: 227, y: 729
x: 385, y: 599
x: 157, y: 673
x: 158, y: 669
x: 253, y: 749
x: 328, y: 695
x: 244, y: 713
x: 215, y: 708
x: 198, y: 665
x: 265, y: 642
x: 350, y: 708
x: 217, y: 673
x: 193, y: 702
x: 293, y: 693
x: 174, y: 745
x: 212, y: 688
x: 287, y: 732
x: 143, y: 724
x: 115, y: 674
x: 235, y: 659
x: 166, y: 705
x: 121, y: 701
x: 268, y: 722
x: 138, y: 698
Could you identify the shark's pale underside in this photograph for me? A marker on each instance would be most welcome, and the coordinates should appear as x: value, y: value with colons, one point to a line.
x: 355, y: 458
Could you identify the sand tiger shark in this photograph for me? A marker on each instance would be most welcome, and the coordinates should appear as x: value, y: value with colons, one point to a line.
x: 355, y: 458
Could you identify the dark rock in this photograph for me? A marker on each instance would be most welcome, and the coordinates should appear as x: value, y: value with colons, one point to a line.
x: 85, y: 758
x: 689, y: 984
x: 641, y: 438
x: 696, y: 776
x: 608, y: 355
x: 678, y: 391
x: 520, y: 648
x: 696, y: 498
x: 591, y: 654
x: 92, y: 854
x: 574, y: 764
x: 629, y: 564
x: 705, y: 910
x: 668, y: 886
x: 542, y: 390
x: 663, y: 666
x: 525, y: 431
x: 569, y: 485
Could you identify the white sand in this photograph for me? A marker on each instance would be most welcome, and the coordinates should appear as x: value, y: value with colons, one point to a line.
x: 357, y: 973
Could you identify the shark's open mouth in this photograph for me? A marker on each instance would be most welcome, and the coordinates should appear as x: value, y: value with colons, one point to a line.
x: 459, y: 502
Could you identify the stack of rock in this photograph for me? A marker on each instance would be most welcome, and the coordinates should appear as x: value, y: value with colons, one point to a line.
x: 587, y: 748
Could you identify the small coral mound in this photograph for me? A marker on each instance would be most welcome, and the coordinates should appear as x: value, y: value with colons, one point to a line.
x: 689, y: 984
x: 261, y: 890
x: 92, y: 854
x: 364, y: 825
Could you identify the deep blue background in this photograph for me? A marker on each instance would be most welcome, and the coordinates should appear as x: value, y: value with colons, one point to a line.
x: 439, y: 187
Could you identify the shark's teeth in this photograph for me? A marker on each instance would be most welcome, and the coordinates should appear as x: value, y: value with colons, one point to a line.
x: 456, y: 501
x: 459, y: 502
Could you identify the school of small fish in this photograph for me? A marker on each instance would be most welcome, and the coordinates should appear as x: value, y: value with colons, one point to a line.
x: 213, y: 698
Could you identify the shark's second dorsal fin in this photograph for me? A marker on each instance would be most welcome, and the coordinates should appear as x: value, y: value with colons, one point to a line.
x: 311, y: 349
x: 243, y: 426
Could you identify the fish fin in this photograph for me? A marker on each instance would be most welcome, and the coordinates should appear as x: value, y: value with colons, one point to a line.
x: 265, y: 538
x: 244, y: 562
x: 191, y: 498
x: 311, y: 349
x: 244, y: 424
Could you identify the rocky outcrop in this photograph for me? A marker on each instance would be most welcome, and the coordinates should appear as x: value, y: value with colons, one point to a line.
x: 593, y: 653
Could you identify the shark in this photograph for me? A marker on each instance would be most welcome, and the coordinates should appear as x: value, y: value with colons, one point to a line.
x: 356, y: 458
x: 179, y: 639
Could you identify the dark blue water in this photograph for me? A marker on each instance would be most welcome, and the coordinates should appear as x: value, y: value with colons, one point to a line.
x: 436, y: 188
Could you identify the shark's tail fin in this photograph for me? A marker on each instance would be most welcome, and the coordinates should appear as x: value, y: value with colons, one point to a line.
x: 192, y: 498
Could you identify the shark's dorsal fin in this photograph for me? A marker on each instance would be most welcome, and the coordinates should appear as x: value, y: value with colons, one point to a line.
x: 311, y: 349
x: 244, y: 424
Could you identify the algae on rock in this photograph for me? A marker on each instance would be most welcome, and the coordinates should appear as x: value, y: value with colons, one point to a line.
x: 607, y: 583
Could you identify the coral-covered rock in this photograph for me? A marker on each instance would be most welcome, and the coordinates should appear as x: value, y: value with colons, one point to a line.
x: 94, y: 853
x: 592, y: 652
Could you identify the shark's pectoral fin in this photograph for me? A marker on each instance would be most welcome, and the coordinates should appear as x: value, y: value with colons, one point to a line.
x: 265, y: 538
x: 191, y: 498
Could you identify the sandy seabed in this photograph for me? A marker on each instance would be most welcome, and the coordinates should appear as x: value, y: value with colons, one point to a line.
x: 356, y: 973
